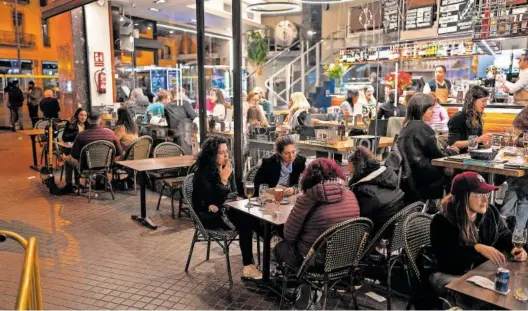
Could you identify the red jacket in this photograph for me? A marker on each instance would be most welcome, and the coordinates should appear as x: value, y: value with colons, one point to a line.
x: 335, y: 204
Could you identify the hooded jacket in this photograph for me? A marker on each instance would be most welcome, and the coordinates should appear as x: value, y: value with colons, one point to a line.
x: 378, y: 195
x: 332, y: 204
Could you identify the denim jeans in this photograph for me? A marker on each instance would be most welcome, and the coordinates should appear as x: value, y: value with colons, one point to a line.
x: 514, y: 206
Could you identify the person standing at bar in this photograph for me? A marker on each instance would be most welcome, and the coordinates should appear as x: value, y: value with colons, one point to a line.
x: 440, y: 85
x: 519, y: 89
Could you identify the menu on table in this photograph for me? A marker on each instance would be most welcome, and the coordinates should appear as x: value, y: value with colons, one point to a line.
x: 455, y: 16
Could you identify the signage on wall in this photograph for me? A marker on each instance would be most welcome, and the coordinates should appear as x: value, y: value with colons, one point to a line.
x: 417, y: 18
x: 390, y: 15
x: 158, y: 80
x: 98, y: 59
x: 455, y: 16
x: 173, y: 78
x: 365, y: 17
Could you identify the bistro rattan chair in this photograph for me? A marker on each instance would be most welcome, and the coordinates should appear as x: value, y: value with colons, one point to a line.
x: 139, y: 150
x: 223, y: 238
x: 96, y: 159
x: 341, y: 246
x: 394, y: 243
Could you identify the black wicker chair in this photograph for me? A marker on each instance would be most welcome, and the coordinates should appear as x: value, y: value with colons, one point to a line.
x: 96, y: 159
x: 395, y: 223
x: 139, y: 150
x: 223, y: 238
x: 341, y: 246
x: 416, y: 235
x: 251, y: 173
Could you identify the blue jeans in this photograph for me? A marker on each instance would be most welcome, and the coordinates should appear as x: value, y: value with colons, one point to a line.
x: 514, y: 206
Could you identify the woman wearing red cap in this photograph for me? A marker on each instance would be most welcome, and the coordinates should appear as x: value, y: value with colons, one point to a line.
x: 469, y: 231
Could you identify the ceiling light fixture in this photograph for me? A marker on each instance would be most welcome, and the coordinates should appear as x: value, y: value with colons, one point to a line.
x: 323, y: 1
x: 154, y: 10
x: 160, y: 1
x: 172, y: 31
x: 191, y: 31
x: 274, y: 7
x: 121, y: 19
x: 193, y: 20
x: 311, y: 32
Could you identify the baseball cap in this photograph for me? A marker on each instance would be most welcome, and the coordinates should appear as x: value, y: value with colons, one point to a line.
x: 471, y: 182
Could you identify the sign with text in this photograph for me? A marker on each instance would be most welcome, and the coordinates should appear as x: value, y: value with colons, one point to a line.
x: 98, y: 59
x: 455, y: 16
x: 158, y: 80
x: 390, y: 15
x: 417, y: 18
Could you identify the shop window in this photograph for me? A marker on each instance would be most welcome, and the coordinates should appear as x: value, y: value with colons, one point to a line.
x: 166, y: 52
x: 45, y: 33
x: 20, y: 18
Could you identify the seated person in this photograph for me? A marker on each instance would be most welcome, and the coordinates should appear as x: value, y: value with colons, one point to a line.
x: 49, y: 105
x: 324, y: 202
x: 158, y: 108
x: 77, y: 125
x: 283, y: 168
x: 345, y: 108
x: 391, y: 108
x: 439, y: 117
x: 375, y: 186
x: 418, y: 146
x: 92, y: 133
x: 126, y: 129
x: 298, y: 113
x: 213, y: 184
x: 468, y: 121
x: 255, y: 114
x: 469, y: 231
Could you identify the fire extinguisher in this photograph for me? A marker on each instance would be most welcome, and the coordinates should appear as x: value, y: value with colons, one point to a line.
x: 100, y: 81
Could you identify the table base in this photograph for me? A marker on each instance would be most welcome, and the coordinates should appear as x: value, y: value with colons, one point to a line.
x: 145, y: 221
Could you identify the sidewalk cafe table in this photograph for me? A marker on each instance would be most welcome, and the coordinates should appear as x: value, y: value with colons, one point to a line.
x: 32, y: 134
x: 488, y: 270
x: 268, y: 218
x: 154, y: 164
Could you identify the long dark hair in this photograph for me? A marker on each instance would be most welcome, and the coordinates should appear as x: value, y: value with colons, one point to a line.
x: 473, y: 117
x: 454, y: 208
x: 124, y: 118
x: 206, y: 161
x: 75, y: 117
x: 521, y: 120
x: 417, y: 106
x: 351, y: 94
x: 321, y: 170
x: 220, y: 99
x: 364, y: 162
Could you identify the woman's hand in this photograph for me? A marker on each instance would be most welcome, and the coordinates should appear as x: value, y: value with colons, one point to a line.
x: 289, y: 191
x: 491, y: 253
x: 213, y: 208
x: 519, y: 254
x: 484, y: 138
x: 454, y: 148
x: 225, y: 172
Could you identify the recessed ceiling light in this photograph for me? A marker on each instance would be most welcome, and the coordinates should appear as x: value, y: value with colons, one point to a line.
x: 193, y: 20
x: 311, y: 32
x: 149, y: 28
x: 172, y: 31
x: 160, y: 1
x: 274, y: 8
x: 121, y: 19
x: 136, y: 24
x: 154, y: 9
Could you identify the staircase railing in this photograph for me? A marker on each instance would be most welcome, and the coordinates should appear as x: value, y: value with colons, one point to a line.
x: 30, y: 290
x: 274, y: 58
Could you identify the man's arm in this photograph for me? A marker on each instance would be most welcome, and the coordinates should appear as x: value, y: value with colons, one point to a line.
x: 521, y: 83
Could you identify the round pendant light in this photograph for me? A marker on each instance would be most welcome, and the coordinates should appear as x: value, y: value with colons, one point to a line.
x: 323, y: 1
x: 274, y: 7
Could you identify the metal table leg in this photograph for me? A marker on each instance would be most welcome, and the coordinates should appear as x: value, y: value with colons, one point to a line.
x: 266, y: 252
x: 143, y: 219
x: 491, y: 177
x: 34, y: 152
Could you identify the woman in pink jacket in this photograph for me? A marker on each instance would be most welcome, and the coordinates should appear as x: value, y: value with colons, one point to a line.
x: 439, y: 117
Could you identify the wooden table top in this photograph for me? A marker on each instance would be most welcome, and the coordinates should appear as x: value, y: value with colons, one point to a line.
x: 280, y: 112
x: 154, y: 164
x: 498, y: 169
x: 488, y: 270
x: 32, y: 132
x: 226, y: 133
x: 268, y: 214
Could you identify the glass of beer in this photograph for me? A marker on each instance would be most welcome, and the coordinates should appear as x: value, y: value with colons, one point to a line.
x: 278, y: 195
x: 249, y: 191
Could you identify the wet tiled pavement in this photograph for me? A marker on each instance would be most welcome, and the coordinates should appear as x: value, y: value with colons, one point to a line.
x: 93, y: 256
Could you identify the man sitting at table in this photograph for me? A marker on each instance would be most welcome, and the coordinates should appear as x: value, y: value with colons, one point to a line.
x: 469, y: 231
x: 92, y: 133
x: 281, y: 169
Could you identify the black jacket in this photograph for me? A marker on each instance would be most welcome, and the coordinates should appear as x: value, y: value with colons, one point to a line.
x: 378, y: 195
x: 269, y: 171
x: 379, y: 91
x: 70, y: 131
x: 50, y: 107
x: 16, y: 97
x: 388, y: 110
x: 459, y: 129
x: 456, y: 258
x: 208, y: 190
x: 420, y: 179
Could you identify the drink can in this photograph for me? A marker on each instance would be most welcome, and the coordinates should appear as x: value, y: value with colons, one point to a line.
x: 502, y: 280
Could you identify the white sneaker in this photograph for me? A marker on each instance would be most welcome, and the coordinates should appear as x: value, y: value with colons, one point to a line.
x: 251, y: 272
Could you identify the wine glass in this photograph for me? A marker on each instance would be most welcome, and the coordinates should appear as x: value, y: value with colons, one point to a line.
x: 496, y: 142
x: 519, y: 237
x: 263, y: 190
x: 473, y: 142
x: 249, y: 191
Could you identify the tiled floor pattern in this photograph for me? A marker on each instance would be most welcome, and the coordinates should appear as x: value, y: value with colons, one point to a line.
x: 93, y: 256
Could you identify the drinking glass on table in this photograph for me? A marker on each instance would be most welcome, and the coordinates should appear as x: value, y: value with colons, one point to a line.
x: 278, y: 195
x: 263, y: 191
x: 519, y: 237
x: 249, y: 191
x: 524, y: 141
x: 496, y: 142
x: 472, y: 142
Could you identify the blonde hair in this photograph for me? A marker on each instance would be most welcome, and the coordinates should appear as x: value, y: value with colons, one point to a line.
x: 48, y: 93
x: 298, y: 101
x: 251, y: 95
x: 163, y: 95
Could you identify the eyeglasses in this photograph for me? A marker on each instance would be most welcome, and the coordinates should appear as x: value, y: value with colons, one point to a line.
x: 481, y: 195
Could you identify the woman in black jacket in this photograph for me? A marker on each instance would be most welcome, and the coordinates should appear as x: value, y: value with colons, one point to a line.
x: 418, y: 147
x: 213, y: 185
x: 468, y: 121
x: 390, y: 108
x: 76, y: 125
x: 469, y: 232
x: 376, y: 187
x: 283, y: 168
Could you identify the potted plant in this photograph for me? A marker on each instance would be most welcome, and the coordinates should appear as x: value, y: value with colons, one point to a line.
x: 257, y: 49
x: 336, y: 71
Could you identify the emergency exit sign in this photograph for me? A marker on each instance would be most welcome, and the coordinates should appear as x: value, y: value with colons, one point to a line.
x: 98, y: 59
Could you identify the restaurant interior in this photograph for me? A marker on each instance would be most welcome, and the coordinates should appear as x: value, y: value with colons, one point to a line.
x: 333, y: 154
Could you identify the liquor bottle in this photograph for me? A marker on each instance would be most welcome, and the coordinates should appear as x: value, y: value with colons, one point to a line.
x: 341, y: 131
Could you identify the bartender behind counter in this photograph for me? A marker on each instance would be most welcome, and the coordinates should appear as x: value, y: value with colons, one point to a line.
x: 519, y: 89
x: 440, y: 86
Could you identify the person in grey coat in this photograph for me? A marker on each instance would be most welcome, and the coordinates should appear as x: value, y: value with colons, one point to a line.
x: 180, y: 115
